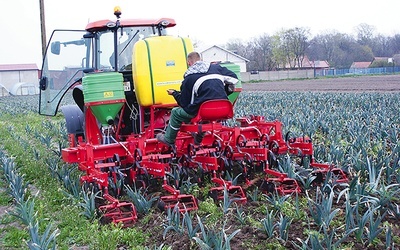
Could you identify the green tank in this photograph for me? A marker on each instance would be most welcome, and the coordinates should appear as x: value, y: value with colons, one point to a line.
x: 104, y: 95
x: 236, y: 69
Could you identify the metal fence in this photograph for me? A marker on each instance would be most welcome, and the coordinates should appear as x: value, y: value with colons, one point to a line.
x: 312, y: 73
x: 355, y: 71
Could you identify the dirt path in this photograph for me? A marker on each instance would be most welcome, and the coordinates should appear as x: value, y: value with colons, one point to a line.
x: 381, y: 83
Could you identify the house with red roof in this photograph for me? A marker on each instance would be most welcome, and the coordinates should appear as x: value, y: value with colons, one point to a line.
x: 309, y: 64
x: 360, y: 65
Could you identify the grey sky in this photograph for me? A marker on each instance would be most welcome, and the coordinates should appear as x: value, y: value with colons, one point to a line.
x: 208, y: 21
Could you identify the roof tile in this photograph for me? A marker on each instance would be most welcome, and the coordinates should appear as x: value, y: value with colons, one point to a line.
x: 15, y: 67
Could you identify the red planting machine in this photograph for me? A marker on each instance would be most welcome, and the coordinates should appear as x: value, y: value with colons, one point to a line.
x: 117, y: 73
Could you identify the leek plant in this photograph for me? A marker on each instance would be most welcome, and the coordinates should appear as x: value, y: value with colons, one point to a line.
x: 374, y: 226
x: 173, y: 221
x: 361, y: 221
x: 388, y: 238
x: 268, y: 224
x: 45, y: 241
x: 240, y: 214
x: 254, y: 195
x: 160, y: 247
x: 17, y: 186
x: 385, y: 197
x: 214, y: 240
x: 88, y: 204
x: 143, y: 204
x: 306, y: 182
x: 188, y: 223
x: 321, y: 208
x: 277, y: 201
x: 286, y: 167
x: 324, y: 240
x: 283, y: 227
x: 227, y: 201
x: 67, y: 176
x: 25, y: 211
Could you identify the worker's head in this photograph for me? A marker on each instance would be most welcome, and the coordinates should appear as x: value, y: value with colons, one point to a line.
x: 193, y: 57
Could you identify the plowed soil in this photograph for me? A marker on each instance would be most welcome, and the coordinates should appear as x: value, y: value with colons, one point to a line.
x: 381, y: 83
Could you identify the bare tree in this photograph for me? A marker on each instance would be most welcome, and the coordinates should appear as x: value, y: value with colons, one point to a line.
x: 262, y: 52
x: 288, y: 48
x: 365, y: 33
x: 350, y: 51
x: 339, y: 49
x: 380, y: 46
x: 237, y: 46
x: 279, y: 52
x: 294, y: 43
x: 395, y: 44
x: 324, y: 46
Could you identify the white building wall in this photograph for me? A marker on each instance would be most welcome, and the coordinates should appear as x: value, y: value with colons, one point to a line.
x: 216, y: 55
x: 9, y: 78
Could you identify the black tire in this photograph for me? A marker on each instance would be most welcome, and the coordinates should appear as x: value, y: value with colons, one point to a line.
x: 214, y: 195
x: 268, y: 187
x: 161, y: 205
x: 274, y: 147
x: 272, y: 160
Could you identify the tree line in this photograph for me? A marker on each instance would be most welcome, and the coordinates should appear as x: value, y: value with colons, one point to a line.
x: 288, y: 48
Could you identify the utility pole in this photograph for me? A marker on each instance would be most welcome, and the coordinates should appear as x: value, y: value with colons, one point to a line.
x: 42, y: 28
x: 44, y: 66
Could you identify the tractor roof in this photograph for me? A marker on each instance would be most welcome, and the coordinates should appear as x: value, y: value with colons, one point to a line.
x: 102, y: 24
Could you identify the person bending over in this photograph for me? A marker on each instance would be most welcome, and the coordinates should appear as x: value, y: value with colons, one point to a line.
x: 202, y: 82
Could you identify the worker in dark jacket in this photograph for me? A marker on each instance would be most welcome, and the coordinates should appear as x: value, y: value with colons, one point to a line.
x: 202, y: 82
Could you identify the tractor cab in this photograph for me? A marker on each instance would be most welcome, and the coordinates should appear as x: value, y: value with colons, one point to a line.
x: 104, y: 46
x: 139, y: 51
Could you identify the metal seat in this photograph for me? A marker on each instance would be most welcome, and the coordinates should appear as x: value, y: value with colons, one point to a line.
x: 210, y: 114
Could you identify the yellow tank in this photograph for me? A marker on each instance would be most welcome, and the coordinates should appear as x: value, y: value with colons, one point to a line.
x: 159, y: 64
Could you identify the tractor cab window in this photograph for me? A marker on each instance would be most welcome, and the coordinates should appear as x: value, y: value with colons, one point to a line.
x: 72, y: 53
x: 68, y: 55
x: 127, y: 37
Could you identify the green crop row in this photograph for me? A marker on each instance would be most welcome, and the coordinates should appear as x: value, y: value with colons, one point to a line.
x: 358, y: 132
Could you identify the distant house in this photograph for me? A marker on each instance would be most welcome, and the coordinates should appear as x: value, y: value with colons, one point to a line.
x: 359, y: 67
x: 381, y: 62
x: 307, y: 64
x: 218, y: 54
x: 320, y: 64
x: 13, y: 74
x: 320, y: 67
x: 376, y: 62
x: 381, y: 59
